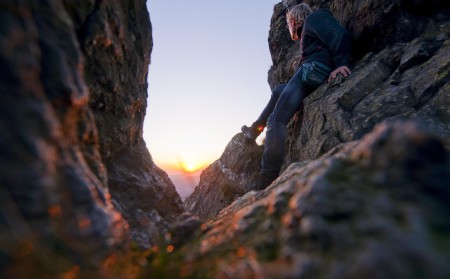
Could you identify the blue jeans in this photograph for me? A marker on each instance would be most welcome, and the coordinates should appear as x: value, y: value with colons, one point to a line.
x: 276, y: 92
x: 285, y: 101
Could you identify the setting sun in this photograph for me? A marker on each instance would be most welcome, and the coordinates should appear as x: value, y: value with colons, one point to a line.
x: 190, y: 155
x: 190, y: 163
x: 189, y: 166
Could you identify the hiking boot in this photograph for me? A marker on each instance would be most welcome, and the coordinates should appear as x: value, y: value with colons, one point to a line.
x: 252, y: 132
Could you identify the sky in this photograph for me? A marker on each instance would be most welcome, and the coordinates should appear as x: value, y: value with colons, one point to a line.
x: 207, y: 77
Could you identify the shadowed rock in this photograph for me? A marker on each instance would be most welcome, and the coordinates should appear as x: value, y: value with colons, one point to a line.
x: 74, y: 87
x: 115, y: 37
x: 377, y: 90
x: 52, y: 178
x: 373, y: 208
x: 226, y: 179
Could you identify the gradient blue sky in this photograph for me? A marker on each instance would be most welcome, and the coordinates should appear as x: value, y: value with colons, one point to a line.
x: 208, y: 76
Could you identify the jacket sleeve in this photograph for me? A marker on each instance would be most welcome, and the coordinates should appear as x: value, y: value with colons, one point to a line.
x: 331, y: 33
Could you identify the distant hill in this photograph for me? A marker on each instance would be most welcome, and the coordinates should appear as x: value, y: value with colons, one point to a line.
x: 185, y: 182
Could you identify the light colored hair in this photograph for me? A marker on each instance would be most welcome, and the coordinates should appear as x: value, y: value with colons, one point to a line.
x: 299, y: 12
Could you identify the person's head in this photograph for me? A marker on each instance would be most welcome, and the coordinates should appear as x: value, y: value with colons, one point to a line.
x: 298, y: 14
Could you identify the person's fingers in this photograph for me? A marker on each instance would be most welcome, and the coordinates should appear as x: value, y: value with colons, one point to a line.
x: 347, y: 71
x: 344, y: 71
x: 332, y: 75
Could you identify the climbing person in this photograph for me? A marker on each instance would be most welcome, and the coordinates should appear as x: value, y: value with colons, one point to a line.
x: 324, y: 45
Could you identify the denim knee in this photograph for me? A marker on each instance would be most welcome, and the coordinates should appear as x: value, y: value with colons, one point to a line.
x: 276, y: 119
x: 276, y: 92
x: 280, y: 117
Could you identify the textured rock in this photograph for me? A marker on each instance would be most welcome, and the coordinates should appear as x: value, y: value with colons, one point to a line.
x: 373, y: 25
x: 405, y: 80
x: 377, y: 90
x: 52, y: 178
x: 373, y: 208
x: 115, y: 37
x: 350, y: 203
x: 226, y: 179
x: 73, y: 84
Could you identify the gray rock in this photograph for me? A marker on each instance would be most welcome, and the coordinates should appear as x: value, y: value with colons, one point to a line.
x: 53, y: 181
x: 372, y: 24
x: 117, y: 55
x: 73, y: 162
x: 364, y: 188
x: 376, y: 91
x: 417, y: 53
x: 343, y: 111
x: 373, y: 208
x: 226, y: 179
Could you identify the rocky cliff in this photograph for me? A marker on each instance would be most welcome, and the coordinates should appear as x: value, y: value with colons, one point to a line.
x: 373, y: 208
x: 115, y: 38
x: 404, y: 80
x: 364, y: 188
x: 76, y: 179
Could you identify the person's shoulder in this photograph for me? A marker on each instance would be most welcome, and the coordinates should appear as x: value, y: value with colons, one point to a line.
x: 318, y: 16
x: 321, y: 12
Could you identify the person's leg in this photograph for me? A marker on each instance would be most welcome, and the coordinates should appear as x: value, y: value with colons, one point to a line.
x: 288, y: 103
x: 257, y: 127
x: 276, y: 92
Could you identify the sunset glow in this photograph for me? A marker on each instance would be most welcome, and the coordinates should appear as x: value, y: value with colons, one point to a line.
x: 201, y: 91
x: 190, y: 166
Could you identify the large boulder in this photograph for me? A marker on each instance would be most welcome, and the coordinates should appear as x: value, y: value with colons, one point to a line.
x: 115, y: 38
x: 73, y: 84
x: 53, y: 181
x: 373, y: 208
x: 226, y: 179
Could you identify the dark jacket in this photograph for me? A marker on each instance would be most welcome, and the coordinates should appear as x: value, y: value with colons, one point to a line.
x: 325, y: 40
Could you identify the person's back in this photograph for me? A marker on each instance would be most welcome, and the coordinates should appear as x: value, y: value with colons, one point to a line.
x: 325, y: 40
x: 325, y: 45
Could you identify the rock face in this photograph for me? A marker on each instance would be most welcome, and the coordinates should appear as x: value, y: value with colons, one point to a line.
x: 53, y: 181
x: 373, y: 208
x: 115, y: 37
x: 388, y: 85
x: 226, y: 179
x: 364, y: 188
x: 408, y: 80
x: 73, y: 86
x: 373, y: 25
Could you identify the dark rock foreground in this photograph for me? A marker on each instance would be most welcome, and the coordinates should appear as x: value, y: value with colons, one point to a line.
x: 76, y: 179
x: 373, y: 208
